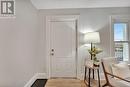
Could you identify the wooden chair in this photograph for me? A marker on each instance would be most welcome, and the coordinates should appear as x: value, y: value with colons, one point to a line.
x: 110, y: 78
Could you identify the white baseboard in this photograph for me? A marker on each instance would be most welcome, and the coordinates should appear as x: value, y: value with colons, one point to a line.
x: 35, y: 77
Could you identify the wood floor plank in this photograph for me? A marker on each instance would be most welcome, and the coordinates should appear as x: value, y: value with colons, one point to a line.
x: 68, y: 83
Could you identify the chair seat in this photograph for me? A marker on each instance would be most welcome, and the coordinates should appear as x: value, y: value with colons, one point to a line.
x: 120, y: 83
x: 112, y: 69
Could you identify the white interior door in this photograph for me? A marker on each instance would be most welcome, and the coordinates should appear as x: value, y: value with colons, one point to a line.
x: 62, y: 47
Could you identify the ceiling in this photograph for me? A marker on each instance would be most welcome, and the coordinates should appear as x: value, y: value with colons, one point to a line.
x: 61, y: 4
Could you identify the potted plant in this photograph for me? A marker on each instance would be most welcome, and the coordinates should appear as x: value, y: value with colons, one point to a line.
x: 93, y: 52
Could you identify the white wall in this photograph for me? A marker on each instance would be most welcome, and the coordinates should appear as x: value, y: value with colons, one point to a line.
x: 90, y: 20
x: 19, y: 46
x: 22, y: 39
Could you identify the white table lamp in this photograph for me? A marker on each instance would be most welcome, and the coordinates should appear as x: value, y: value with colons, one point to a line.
x: 92, y: 37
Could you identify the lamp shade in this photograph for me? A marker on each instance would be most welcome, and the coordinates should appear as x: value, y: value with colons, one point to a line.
x: 92, y: 37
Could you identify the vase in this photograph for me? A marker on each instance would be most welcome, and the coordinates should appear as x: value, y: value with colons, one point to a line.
x: 96, y: 63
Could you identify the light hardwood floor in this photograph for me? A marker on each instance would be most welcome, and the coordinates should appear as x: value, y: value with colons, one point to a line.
x: 59, y: 82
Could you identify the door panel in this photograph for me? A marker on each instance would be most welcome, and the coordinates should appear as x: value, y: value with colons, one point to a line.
x: 63, y: 41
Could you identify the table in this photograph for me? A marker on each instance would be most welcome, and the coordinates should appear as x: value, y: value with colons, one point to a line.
x: 93, y: 68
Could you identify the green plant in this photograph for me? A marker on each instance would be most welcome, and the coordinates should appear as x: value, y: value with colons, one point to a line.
x: 94, y: 51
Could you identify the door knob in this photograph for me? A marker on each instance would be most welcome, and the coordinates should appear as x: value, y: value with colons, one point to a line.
x: 52, y: 50
x: 52, y: 54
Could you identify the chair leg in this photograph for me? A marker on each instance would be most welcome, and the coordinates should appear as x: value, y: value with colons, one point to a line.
x: 107, y: 84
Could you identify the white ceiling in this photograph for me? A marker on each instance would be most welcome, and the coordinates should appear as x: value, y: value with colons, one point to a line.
x: 60, y: 4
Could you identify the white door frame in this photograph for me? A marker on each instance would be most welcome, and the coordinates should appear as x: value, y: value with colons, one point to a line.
x: 48, y: 19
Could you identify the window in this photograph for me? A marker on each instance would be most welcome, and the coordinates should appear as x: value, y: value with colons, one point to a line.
x: 121, y: 41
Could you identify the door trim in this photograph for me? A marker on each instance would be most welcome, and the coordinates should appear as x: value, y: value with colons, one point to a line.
x: 48, y: 19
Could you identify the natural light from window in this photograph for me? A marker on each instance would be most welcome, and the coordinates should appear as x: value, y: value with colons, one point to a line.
x: 121, y: 41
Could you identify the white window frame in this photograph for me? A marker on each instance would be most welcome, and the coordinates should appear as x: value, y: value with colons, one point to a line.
x: 119, y: 19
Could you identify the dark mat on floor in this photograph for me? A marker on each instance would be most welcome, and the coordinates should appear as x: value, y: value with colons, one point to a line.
x: 39, y: 83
